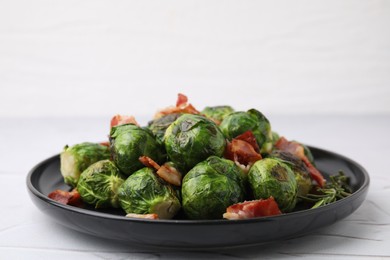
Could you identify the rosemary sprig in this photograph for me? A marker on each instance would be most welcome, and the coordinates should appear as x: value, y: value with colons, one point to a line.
x: 336, y: 189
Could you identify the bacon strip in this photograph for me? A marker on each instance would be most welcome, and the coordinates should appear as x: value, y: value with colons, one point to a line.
x: 167, y: 172
x: 182, y: 106
x: 182, y: 100
x: 243, y: 149
x: 253, y: 209
x: 122, y: 119
x: 170, y: 174
x: 250, y: 138
x: 67, y: 197
x: 149, y: 162
x: 298, y: 150
x: 105, y: 143
x: 145, y: 216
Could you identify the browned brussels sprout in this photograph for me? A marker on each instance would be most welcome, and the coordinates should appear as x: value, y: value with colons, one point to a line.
x: 160, y: 125
x: 144, y: 192
x: 271, y: 177
x: 302, y: 174
x: 192, y: 139
x: 210, y: 187
x: 128, y: 142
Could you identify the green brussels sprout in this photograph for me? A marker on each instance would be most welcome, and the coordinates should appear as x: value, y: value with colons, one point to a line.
x: 271, y: 177
x: 217, y: 113
x: 75, y: 159
x: 98, y: 184
x: 128, y: 142
x: 210, y: 187
x: 253, y: 120
x: 144, y: 192
x: 192, y: 139
x: 160, y: 125
x: 302, y: 174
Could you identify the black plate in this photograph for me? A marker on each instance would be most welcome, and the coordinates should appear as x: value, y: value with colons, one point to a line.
x: 46, y: 177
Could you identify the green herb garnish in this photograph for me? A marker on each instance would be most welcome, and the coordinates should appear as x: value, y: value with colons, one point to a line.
x: 336, y: 189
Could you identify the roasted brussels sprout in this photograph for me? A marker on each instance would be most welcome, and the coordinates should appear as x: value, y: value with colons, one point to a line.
x: 128, y: 142
x: 253, y: 120
x: 160, y: 125
x: 210, y: 187
x: 191, y: 139
x: 144, y: 192
x: 271, y: 177
x: 217, y: 113
x: 75, y: 159
x: 98, y: 184
x: 302, y: 175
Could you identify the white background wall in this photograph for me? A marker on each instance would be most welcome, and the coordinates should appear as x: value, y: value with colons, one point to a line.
x: 98, y: 58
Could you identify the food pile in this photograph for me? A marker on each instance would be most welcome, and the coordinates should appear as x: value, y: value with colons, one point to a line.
x: 210, y: 164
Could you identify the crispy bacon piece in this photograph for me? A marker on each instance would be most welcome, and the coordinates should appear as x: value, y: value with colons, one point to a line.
x: 181, y: 100
x: 253, y: 209
x: 243, y: 150
x: 290, y: 146
x: 122, y: 119
x: 298, y: 150
x: 67, y: 197
x: 149, y: 162
x: 182, y: 106
x: 166, y: 172
x: 105, y: 143
x: 145, y: 216
x: 250, y: 138
x: 170, y: 174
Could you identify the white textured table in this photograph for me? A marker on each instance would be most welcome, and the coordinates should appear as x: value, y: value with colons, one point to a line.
x: 26, y: 233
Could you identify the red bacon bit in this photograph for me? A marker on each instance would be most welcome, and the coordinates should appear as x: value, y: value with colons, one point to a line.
x: 314, y: 172
x: 149, y: 162
x: 122, y: 119
x: 106, y: 143
x: 243, y: 152
x: 253, y: 209
x: 166, y: 172
x: 250, y: 138
x: 243, y: 149
x: 170, y: 174
x: 298, y: 150
x: 291, y: 147
x: 181, y: 100
x: 67, y: 197
x: 145, y: 216
x: 189, y: 109
x: 182, y: 106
